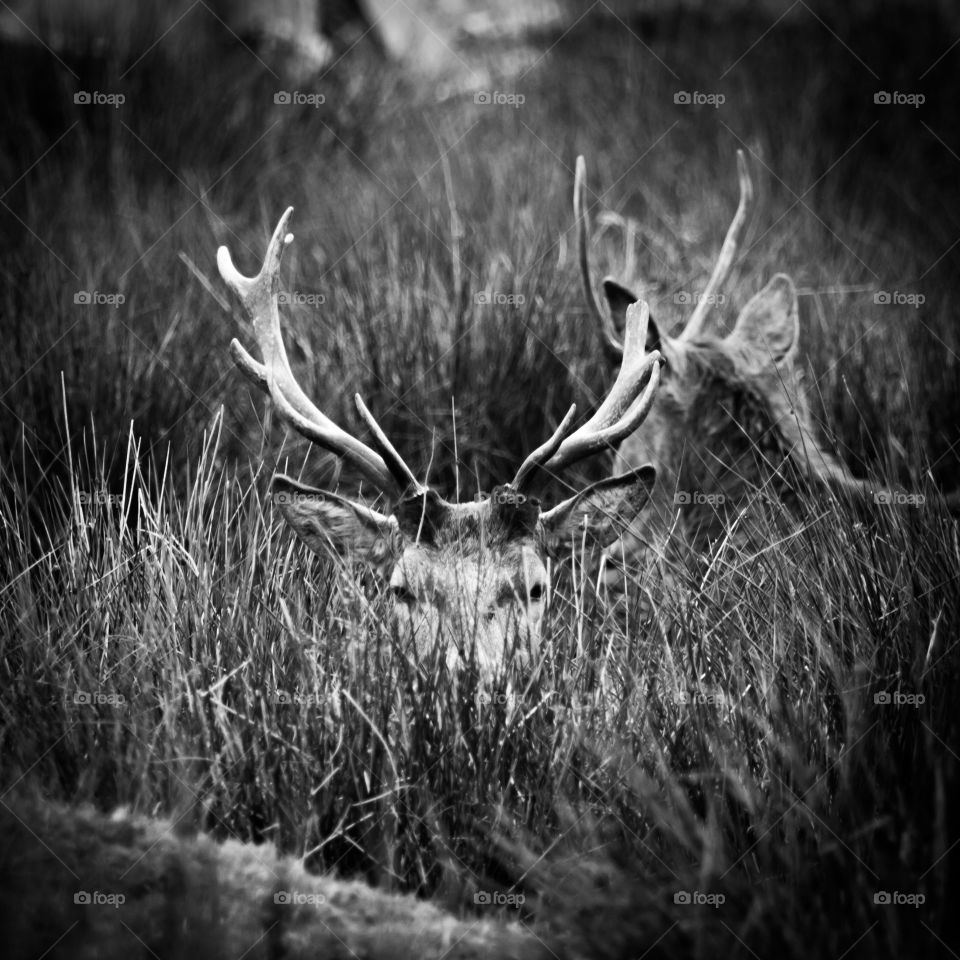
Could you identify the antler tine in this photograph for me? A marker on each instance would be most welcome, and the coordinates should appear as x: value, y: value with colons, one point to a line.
x: 545, y: 451
x: 611, y: 341
x: 728, y: 252
x: 395, y: 463
x: 259, y: 298
x: 623, y: 410
x: 255, y: 372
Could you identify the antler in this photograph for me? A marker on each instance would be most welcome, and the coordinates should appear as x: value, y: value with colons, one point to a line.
x: 623, y: 410
x: 611, y: 339
x: 258, y: 295
x: 721, y: 271
x: 728, y: 252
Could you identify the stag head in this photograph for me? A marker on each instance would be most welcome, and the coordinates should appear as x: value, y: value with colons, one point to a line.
x: 472, y: 574
x: 730, y: 418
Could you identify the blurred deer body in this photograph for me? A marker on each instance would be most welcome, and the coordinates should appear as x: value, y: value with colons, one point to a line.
x: 473, y: 575
x: 731, y: 426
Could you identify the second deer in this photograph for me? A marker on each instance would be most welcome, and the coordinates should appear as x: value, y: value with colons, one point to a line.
x: 731, y: 424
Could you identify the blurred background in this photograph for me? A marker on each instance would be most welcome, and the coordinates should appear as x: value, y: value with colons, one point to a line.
x: 428, y: 148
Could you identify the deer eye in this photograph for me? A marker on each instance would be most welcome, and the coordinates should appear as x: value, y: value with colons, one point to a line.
x: 536, y: 592
x: 402, y: 594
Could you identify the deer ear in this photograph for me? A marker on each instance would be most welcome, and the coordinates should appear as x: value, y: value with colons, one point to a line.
x: 619, y: 298
x: 768, y: 324
x: 603, y: 510
x: 326, y: 522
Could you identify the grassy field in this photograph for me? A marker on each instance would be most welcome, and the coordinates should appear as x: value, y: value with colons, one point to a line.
x: 750, y: 768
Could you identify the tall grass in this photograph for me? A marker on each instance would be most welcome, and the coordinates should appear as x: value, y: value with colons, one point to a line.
x: 170, y: 649
x: 723, y: 732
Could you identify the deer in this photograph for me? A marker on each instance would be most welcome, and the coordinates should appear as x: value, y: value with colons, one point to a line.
x: 731, y: 419
x: 473, y: 575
